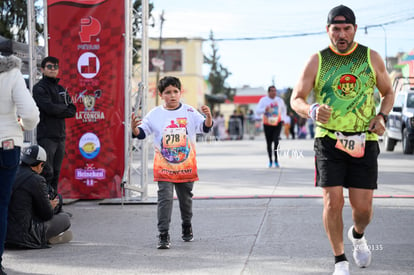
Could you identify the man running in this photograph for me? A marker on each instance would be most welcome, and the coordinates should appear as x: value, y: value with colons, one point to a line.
x: 343, y: 77
x: 273, y: 109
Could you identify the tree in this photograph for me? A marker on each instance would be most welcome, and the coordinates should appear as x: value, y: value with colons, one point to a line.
x: 13, y: 16
x: 217, y: 77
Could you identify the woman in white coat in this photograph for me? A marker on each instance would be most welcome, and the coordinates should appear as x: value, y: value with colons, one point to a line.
x: 18, y: 112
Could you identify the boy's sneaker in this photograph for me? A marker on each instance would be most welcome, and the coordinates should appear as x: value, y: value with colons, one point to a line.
x: 164, y: 241
x: 187, y: 233
x: 361, y: 252
x: 277, y: 165
x: 270, y: 164
x: 341, y: 268
x: 63, y: 237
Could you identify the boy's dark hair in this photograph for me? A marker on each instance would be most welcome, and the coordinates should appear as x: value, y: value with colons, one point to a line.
x: 50, y: 59
x: 167, y: 81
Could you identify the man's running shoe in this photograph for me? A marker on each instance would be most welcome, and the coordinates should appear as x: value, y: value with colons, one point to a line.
x: 362, y: 254
x: 164, y: 241
x: 277, y: 165
x: 270, y: 164
x: 341, y: 268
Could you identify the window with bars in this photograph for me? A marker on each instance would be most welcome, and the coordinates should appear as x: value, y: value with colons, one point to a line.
x: 172, y: 60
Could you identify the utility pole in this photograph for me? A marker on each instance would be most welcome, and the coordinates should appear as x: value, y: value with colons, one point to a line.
x: 162, y: 19
x: 31, y: 27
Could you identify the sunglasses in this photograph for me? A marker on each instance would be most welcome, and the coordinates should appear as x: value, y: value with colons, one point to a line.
x: 51, y: 67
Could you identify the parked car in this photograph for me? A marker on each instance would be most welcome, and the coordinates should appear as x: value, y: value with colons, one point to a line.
x: 400, y: 125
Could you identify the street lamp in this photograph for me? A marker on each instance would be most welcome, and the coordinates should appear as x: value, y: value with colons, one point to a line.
x: 385, y: 41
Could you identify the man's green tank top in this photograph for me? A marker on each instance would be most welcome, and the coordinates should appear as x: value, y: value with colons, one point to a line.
x: 346, y: 83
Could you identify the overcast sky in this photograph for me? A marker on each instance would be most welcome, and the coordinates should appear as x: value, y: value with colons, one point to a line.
x: 258, y: 62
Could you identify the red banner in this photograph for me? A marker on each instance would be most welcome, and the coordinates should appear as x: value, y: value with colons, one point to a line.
x: 87, y: 38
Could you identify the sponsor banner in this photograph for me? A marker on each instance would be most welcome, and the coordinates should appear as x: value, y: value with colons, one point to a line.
x: 78, y: 3
x: 87, y: 36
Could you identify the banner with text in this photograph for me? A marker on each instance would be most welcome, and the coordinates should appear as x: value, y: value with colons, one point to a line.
x: 87, y: 36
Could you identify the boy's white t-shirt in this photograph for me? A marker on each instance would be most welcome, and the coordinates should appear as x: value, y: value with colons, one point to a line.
x: 174, y: 142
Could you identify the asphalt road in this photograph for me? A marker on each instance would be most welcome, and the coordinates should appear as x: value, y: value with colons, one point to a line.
x: 248, y: 219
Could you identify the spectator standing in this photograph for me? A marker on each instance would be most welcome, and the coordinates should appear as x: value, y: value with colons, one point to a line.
x: 293, y: 123
x: 18, y: 112
x: 251, y: 121
x: 286, y: 127
x: 55, y: 106
x: 273, y: 109
x: 221, y: 125
x: 311, y: 127
x: 215, y: 126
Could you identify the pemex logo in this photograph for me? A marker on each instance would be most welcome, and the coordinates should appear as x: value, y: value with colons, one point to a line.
x: 90, y: 26
x: 347, y: 86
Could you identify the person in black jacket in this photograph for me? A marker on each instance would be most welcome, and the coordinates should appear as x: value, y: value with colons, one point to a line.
x: 55, y: 106
x: 31, y: 220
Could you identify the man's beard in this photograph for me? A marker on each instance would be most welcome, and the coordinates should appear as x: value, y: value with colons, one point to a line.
x: 348, y: 45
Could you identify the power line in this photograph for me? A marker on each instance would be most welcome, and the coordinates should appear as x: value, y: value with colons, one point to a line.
x: 390, y: 22
x: 269, y: 37
x: 307, y: 33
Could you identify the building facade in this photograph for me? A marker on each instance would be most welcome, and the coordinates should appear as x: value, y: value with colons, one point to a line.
x: 179, y: 57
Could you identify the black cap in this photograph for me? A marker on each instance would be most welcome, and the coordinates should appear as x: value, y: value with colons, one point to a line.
x: 33, y: 155
x: 344, y: 11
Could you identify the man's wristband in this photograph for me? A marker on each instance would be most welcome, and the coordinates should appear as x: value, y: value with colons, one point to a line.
x: 312, y: 111
x: 384, y: 116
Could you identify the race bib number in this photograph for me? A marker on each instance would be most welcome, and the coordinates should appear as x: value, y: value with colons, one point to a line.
x: 273, y: 120
x: 353, y: 145
x: 174, y: 138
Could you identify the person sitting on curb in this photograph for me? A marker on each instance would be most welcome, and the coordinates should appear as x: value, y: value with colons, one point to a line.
x: 31, y: 219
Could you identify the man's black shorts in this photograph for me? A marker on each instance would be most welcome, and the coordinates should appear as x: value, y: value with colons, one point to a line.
x: 336, y: 168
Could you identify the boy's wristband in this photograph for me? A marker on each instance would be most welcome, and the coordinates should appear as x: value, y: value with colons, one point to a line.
x: 312, y: 111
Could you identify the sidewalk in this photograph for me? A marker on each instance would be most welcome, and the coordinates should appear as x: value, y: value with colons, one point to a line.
x: 248, y: 219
